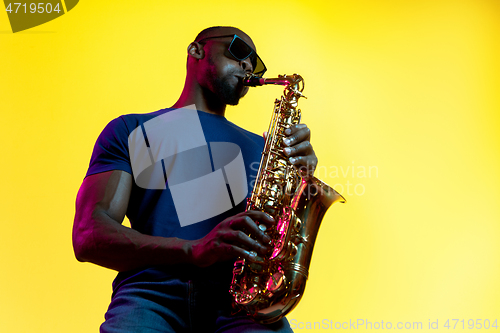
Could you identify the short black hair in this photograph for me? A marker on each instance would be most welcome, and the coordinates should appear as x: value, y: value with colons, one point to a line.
x: 207, y: 32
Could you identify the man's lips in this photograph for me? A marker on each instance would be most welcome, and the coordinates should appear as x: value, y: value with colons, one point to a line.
x: 240, y: 86
x: 240, y: 77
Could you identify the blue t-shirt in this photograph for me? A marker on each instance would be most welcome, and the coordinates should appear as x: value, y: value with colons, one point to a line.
x: 152, y: 211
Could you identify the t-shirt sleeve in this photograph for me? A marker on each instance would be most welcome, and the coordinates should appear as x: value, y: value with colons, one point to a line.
x: 111, y: 149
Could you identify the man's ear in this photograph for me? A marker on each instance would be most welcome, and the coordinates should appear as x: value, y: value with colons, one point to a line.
x: 196, y: 51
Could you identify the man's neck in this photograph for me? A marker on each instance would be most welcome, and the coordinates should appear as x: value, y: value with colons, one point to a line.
x: 204, y: 100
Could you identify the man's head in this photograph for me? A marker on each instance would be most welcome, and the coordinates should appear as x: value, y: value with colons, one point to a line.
x: 218, y: 68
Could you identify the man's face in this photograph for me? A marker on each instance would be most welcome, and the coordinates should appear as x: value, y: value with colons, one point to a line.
x: 225, y: 72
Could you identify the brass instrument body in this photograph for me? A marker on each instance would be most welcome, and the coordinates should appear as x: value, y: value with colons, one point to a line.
x: 269, y: 288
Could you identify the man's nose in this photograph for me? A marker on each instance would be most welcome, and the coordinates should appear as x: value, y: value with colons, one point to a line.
x: 246, y: 64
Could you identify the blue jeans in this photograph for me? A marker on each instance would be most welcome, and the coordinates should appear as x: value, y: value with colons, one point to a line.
x: 146, y: 303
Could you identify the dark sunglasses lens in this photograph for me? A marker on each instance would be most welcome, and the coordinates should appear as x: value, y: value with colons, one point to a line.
x: 253, y: 60
x: 258, y: 68
x: 240, y: 49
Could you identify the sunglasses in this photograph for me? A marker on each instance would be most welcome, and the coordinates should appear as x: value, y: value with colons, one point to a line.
x: 240, y: 50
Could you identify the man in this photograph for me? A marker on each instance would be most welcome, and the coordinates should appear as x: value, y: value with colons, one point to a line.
x: 174, y: 275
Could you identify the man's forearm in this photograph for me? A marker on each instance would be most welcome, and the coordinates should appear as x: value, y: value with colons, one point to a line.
x: 107, y: 243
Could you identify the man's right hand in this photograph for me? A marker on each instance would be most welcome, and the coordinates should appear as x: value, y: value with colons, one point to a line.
x: 230, y: 239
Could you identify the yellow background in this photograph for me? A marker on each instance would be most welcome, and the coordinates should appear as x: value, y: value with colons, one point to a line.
x: 408, y: 88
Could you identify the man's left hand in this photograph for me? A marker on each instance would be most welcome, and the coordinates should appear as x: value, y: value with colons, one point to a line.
x: 299, y: 149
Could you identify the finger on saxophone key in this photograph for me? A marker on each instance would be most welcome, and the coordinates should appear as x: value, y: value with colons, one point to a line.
x: 252, y: 256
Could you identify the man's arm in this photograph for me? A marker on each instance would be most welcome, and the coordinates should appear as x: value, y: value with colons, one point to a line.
x: 100, y: 238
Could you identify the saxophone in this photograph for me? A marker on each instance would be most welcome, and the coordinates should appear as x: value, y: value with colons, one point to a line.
x: 269, y: 288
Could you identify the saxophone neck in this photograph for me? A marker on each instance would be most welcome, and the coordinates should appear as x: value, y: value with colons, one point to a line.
x: 293, y: 83
x: 283, y: 80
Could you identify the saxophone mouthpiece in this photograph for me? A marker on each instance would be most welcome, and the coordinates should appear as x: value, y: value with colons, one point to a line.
x: 253, y: 80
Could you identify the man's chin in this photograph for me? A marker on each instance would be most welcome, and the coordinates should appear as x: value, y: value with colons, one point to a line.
x: 229, y: 92
x: 232, y: 102
x: 236, y: 100
x: 235, y: 97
